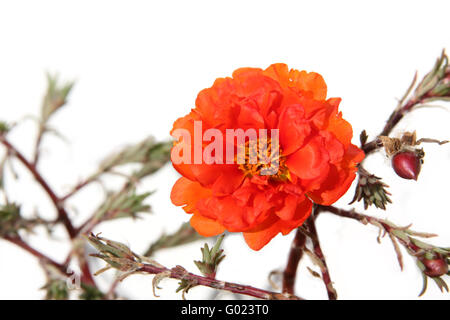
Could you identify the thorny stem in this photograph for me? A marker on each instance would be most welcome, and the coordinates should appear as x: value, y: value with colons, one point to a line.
x: 311, y: 224
x: 62, y: 213
x: 181, y: 274
x: 295, y: 255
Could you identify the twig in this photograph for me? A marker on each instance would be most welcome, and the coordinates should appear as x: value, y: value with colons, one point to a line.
x: 428, y: 89
x: 79, y: 186
x: 295, y: 255
x: 87, y: 226
x: 181, y: 274
x: 185, y: 234
x: 111, y: 294
x: 385, y: 227
x: 62, y: 213
x: 311, y: 224
x: 19, y: 242
x: 37, y: 146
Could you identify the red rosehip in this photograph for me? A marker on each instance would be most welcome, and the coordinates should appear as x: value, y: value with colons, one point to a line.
x: 435, y: 267
x: 407, y: 164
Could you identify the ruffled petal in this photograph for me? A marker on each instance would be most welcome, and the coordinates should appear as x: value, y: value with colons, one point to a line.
x: 206, y: 227
x: 339, y: 178
x: 261, y: 236
x: 187, y: 193
x: 311, y: 161
x: 290, y: 204
x: 302, y: 81
x: 294, y: 129
x: 258, y: 237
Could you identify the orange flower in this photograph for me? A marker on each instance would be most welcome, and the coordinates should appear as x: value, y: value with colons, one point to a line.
x: 317, y: 161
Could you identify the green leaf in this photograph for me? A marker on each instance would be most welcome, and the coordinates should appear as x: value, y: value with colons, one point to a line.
x: 211, y: 258
x: 55, y: 97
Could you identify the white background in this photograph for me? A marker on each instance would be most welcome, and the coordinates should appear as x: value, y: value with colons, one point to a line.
x: 139, y: 66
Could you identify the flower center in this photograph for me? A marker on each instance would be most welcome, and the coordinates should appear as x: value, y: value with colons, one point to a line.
x: 262, y: 158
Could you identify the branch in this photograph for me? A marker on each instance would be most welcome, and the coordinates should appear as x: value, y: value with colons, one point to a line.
x: 393, y: 120
x: 37, y: 145
x: 19, y: 242
x: 434, y: 86
x: 62, y: 213
x: 295, y: 255
x: 432, y: 261
x: 80, y: 186
x: 91, y: 222
x: 311, y: 224
x: 193, y: 280
x: 119, y: 256
x: 185, y: 234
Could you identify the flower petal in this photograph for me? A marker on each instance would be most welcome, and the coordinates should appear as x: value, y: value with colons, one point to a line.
x: 290, y: 204
x: 294, y: 129
x: 303, y: 81
x: 206, y: 227
x: 339, y: 178
x: 311, y: 161
x: 187, y: 193
x: 258, y: 237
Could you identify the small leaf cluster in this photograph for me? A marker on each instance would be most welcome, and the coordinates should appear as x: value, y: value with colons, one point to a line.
x: 211, y: 258
x: 123, y: 204
x: 371, y: 190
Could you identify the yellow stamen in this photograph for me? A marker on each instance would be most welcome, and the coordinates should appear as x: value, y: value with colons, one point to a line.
x: 253, y: 153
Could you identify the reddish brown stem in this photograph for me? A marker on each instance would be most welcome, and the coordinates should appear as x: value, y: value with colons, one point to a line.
x: 295, y: 255
x: 62, y: 213
x: 19, y: 242
x: 87, y: 226
x: 351, y: 214
x: 393, y: 120
x: 355, y: 216
x: 77, y: 188
x: 181, y: 274
x: 37, y: 151
x: 86, y: 277
x: 311, y: 224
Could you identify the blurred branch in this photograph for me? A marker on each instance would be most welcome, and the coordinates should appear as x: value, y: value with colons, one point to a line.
x: 54, y: 99
x: 81, y: 185
x: 125, y: 203
x: 295, y: 255
x: 19, y: 242
x: 317, y: 251
x: 184, y: 235
x: 11, y: 221
x: 151, y: 155
x: 62, y: 213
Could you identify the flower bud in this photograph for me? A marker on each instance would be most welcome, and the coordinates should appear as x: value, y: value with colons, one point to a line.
x: 435, y: 267
x: 407, y: 164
